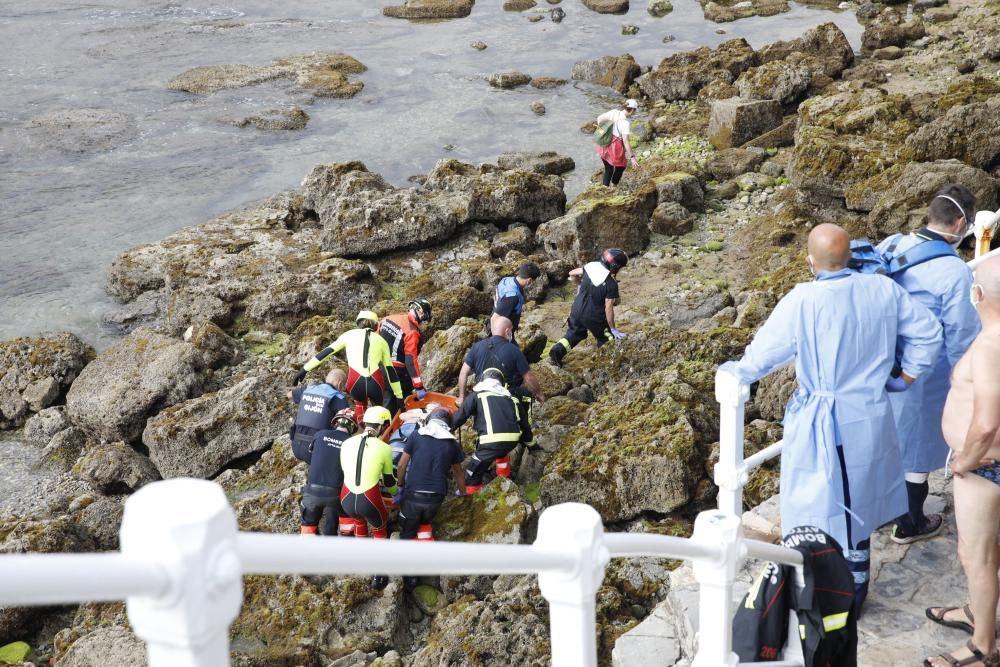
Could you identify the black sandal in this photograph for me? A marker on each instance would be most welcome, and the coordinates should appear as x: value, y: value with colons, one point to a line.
x: 991, y: 660
x: 939, y: 617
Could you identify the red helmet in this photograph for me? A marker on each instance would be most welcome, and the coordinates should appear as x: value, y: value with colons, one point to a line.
x: 345, y: 418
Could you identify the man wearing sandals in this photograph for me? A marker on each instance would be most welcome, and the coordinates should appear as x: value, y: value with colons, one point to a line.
x: 971, y: 424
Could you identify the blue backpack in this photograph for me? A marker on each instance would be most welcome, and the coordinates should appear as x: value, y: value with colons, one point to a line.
x: 866, y: 258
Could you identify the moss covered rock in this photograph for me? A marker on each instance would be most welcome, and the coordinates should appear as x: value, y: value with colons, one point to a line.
x: 599, y: 220
x: 36, y: 373
x: 497, y: 514
x: 723, y: 11
x: 641, y: 447
x: 442, y: 355
x: 266, y: 496
x: 430, y: 9
x: 969, y: 133
x: 681, y: 76
x: 324, y: 74
x: 616, y: 72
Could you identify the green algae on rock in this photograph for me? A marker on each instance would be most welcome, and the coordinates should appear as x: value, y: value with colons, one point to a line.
x: 430, y: 9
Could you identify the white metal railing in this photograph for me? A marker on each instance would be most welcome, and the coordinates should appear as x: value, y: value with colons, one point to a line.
x: 182, y: 561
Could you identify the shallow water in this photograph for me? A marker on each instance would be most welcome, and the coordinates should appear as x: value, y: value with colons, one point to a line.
x: 19, y: 476
x: 66, y: 214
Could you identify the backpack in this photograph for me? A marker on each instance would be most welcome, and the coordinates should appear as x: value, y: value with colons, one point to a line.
x: 865, y: 258
x: 604, y: 134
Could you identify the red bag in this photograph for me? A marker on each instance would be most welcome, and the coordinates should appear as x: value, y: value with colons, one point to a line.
x: 613, y: 153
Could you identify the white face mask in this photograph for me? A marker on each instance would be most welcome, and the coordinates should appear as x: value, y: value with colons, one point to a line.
x: 957, y: 238
x: 972, y: 295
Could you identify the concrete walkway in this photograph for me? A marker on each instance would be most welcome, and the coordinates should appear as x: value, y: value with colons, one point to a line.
x: 892, y: 630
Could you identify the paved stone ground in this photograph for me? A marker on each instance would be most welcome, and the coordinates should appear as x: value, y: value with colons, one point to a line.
x: 892, y: 630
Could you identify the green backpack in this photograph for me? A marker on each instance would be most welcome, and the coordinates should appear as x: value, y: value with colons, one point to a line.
x: 604, y: 134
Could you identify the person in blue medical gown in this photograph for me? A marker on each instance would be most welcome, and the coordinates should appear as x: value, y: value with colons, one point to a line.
x: 941, y: 284
x: 841, y: 469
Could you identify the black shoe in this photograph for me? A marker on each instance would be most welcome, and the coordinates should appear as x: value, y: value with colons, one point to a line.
x: 902, y: 535
x: 379, y: 582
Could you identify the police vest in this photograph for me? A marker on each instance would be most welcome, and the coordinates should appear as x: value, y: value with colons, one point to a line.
x: 508, y: 287
x: 497, y: 419
x: 316, y: 408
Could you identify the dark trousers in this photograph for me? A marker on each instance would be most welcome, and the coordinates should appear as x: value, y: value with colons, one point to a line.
x: 325, y: 509
x: 405, y: 383
x: 418, y: 508
x: 577, y: 331
x: 612, y: 174
x: 480, y: 462
x: 525, y: 401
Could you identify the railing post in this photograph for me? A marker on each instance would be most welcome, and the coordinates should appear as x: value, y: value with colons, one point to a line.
x: 577, y: 529
x: 188, y: 527
x: 715, y: 577
x: 732, y: 394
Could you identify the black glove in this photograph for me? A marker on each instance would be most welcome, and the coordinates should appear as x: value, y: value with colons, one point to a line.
x: 299, y: 377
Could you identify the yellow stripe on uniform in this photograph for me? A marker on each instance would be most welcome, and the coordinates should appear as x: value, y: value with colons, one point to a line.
x: 835, y: 621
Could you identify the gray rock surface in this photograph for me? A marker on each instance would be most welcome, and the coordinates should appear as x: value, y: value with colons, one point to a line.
x: 116, y: 468
x: 542, y: 162
x: 198, y: 437
x: 736, y: 121
x: 273, y: 120
x: 607, y: 6
x: 106, y: 646
x: 732, y: 162
x: 594, y: 224
x: 890, y: 29
x: 969, y: 133
x: 680, y: 188
x: 40, y: 428
x: 507, y: 80
x: 441, y: 356
x: 654, y: 641
x: 35, y: 372
x: 325, y: 74
x: 671, y: 218
x: 681, y: 76
x: 617, y: 72
x: 430, y: 9
x: 826, y: 42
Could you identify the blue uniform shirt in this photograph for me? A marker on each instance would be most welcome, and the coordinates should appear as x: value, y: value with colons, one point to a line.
x: 430, y: 460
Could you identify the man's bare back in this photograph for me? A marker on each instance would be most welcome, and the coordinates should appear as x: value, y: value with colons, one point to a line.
x: 975, y: 386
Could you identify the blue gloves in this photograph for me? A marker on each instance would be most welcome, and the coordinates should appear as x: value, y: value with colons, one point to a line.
x: 398, y: 498
x: 895, y: 385
x: 616, y: 334
x: 420, y: 393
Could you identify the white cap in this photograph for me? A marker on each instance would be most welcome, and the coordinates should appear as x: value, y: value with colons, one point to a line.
x: 631, y: 104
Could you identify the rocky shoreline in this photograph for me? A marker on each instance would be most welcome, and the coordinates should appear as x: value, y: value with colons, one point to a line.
x: 742, y: 151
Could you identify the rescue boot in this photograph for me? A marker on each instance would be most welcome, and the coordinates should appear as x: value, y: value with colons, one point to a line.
x: 425, y: 533
x: 556, y: 354
x: 379, y: 582
x: 472, y: 489
x: 346, y: 526
x: 308, y: 530
x: 503, y: 466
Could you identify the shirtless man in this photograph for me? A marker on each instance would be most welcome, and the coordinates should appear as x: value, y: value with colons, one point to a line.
x: 971, y: 424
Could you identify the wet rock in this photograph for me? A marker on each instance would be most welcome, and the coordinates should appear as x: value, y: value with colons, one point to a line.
x: 889, y: 29
x: 40, y: 428
x: 557, y: 14
x: 658, y: 470
x: 507, y: 80
x: 888, y: 53
x: 442, y: 355
x: 115, y: 468
x: 940, y: 14
x: 518, y: 238
x: 538, y: 108
x: 607, y: 6
x: 83, y: 130
x: 198, y: 437
x: 734, y: 121
x: 723, y: 11
x: 547, y: 82
x: 617, y: 72
x: 682, y: 188
x: 659, y: 8
x: 430, y: 9
x: 671, y: 218
x: 732, y: 162
x: 322, y: 73
x: 778, y: 80
x: 35, y: 372
x: 544, y: 162
x: 478, y: 45
x: 970, y: 133
x: 967, y: 66
x: 132, y: 379
x: 630, y: 29
x: 273, y: 120
x: 595, y: 222
x: 518, y: 5
x: 903, y: 206
x: 681, y: 76
x: 825, y: 42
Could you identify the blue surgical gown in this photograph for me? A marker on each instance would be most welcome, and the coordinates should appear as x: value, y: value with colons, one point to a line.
x: 942, y: 285
x: 842, y: 330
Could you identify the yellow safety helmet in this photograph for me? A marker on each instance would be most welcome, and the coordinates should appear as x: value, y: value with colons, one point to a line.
x: 366, y: 316
x: 377, y: 415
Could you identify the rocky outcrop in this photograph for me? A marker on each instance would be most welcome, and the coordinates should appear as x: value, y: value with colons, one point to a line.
x: 723, y: 11
x: 595, y: 222
x: 617, y: 72
x: 970, y: 133
x: 508, y: 80
x: 902, y: 207
x: 132, y: 380
x: 543, y: 162
x: 680, y: 188
x: 265, y: 495
x: 115, y: 468
x: 273, y: 120
x: 83, y: 130
x: 113, y: 645
x: 631, y: 456
x: 681, y: 76
x: 736, y: 121
x: 257, y: 266
x: 36, y: 372
x: 607, y: 6
x: 323, y: 74
x: 826, y: 42
x: 198, y: 437
x: 497, y: 514
x: 671, y: 218
x: 40, y: 428
x: 430, y: 9
x: 891, y: 29
x: 442, y: 355
x: 732, y: 162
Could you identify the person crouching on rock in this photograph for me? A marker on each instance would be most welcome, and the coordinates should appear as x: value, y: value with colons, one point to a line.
x: 617, y: 154
x: 497, y: 421
x: 371, y: 374
x: 594, y: 306
x: 429, y: 453
x: 321, y: 493
x: 318, y: 403
x: 366, y: 462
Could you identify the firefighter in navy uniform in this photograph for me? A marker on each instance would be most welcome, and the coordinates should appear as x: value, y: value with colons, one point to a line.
x: 402, y: 333
x: 509, y: 299
x: 594, y: 306
x: 496, y: 419
x: 321, y: 493
x: 318, y: 403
